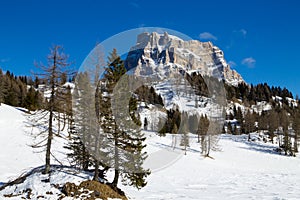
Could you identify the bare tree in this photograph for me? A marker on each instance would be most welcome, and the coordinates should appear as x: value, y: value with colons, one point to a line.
x: 211, y: 138
x: 56, y: 65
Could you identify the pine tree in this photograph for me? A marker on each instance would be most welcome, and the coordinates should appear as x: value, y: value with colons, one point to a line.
x: 145, y: 123
x: 85, y: 121
x: 79, y: 154
x: 36, y: 82
x: 239, y: 116
x: 113, y: 73
x: 124, y: 132
x: 133, y: 114
x: 130, y: 140
x: 284, y: 123
x: 273, y: 124
x: 33, y: 100
x: 1, y: 86
x: 296, y: 128
x: 249, y: 124
x: 11, y: 98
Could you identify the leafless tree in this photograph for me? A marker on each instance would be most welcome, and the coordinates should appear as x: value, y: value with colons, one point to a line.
x: 57, y: 63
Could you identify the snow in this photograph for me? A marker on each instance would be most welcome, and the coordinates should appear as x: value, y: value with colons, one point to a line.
x: 175, y: 37
x: 239, y: 169
x: 14, y: 144
x: 261, y: 106
x: 153, y: 114
x: 68, y: 84
x: 292, y: 102
x: 42, y: 188
x: 179, y: 93
x: 16, y: 141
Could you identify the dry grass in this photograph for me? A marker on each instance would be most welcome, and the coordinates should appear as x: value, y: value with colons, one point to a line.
x: 90, y: 190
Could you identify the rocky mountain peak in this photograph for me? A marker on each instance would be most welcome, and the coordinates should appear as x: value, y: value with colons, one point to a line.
x: 159, y: 54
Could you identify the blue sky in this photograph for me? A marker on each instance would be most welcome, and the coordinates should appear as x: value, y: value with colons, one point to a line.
x: 259, y: 38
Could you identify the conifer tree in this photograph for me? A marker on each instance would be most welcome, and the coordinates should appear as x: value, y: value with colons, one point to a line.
x: 125, y: 135
x: 284, y: 122
x: 249, y: 124
x: 79, y: 154
x: 1, y: 86
x: 296, y: 128
x: 81, y: 131
x: 273, y: 124
x: 145, y: 123
x: 57, y: 63
x: 33, y: 100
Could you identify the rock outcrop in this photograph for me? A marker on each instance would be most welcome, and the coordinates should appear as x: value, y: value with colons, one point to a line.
x: 159, y: 54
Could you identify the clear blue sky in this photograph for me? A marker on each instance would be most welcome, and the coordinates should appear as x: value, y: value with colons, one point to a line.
x: 260, y: 38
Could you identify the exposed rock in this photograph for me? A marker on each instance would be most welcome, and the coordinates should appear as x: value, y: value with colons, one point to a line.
x: 160, y: 54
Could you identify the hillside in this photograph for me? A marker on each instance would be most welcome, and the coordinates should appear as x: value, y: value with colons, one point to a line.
x: 238, y: 170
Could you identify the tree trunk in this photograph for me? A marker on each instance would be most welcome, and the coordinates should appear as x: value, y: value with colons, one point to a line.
x: 50, y: 131
x: 208, y: 144
x: 49, y: 142
x: 58, y: 121
x: 64, y: 124
x: 85, y: 164
x: 117, y: 173
x: 202, y: 144
x: 116, y: 178
x: 96, y: 173
x: 295, y: 143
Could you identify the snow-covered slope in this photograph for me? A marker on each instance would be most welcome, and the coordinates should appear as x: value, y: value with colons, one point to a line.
x: 17, y: 155
x: 239, y: 170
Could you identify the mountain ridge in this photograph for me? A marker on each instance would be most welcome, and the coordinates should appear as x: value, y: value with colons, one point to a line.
x: 160, y: 55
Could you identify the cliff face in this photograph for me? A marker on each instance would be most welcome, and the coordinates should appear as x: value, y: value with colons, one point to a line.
x: 159, y: 54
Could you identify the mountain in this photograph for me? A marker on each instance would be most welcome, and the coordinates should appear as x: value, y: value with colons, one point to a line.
x: 161, y: 54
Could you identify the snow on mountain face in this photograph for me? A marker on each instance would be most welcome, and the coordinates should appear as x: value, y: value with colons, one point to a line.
x: 161, y: 54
